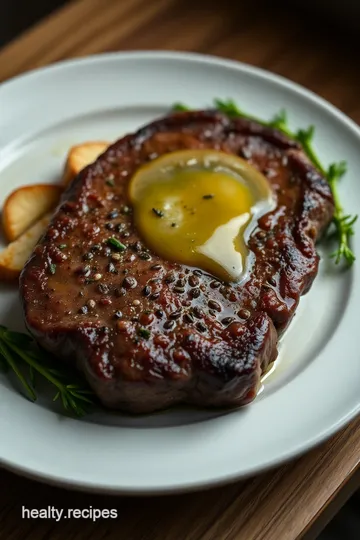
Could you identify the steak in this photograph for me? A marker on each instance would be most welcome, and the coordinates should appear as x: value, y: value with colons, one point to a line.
x: 148, y: 333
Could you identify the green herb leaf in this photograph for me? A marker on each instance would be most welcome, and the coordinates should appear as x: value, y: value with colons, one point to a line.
x: 52, y: 268
x: 12, y: 363
x: 344, y: 224
x: 336, y: 171
x: 280, y: 121
x: 4, y: 367
x: 179, y: 107
x: 16, y: 337
x: 113, y: 242
x: 144, y: 333
x: 305, y: 138
x: 228, y: 107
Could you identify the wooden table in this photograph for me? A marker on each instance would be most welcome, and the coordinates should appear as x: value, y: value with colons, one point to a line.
x: 283, y: 504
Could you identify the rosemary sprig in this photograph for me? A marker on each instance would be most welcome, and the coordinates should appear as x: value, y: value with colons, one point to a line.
x: 344, y: 224
x: 18, y: 350
x: 4, y: 366
x: 7, y: 356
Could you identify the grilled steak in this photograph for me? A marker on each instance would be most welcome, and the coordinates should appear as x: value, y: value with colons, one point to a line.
x: 148, y: 333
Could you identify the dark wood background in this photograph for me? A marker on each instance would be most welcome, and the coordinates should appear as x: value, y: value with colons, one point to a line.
x: 306, y: 46
x: 17, y: 15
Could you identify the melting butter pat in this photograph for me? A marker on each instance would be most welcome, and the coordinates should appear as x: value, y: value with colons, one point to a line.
x: 198, y: 207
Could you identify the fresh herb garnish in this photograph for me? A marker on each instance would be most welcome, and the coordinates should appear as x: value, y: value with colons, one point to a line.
x: 113, y: 242
x: 110, y: 181
x: 18, y: 351
x: 52, y: 268
x: 180, y: 107
x: 344, y: 224
x: 144, y: 333
x: 5, y: 352
x: 4, y: 367
x: 158, y: 213
x: 62, y: 246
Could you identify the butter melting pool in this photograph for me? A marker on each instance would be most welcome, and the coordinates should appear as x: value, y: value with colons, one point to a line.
x: 198, y: 207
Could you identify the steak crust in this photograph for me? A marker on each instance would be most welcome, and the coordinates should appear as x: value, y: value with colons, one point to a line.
x: 149, y: 333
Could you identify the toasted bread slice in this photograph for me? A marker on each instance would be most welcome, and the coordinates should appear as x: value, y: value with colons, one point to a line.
x: 81, y: 156
x: 14, y: 257
x: 26, y: 205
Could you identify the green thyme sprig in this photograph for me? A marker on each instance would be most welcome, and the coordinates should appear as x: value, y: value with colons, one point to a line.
x: 18, y: 352
x: 344, y: 224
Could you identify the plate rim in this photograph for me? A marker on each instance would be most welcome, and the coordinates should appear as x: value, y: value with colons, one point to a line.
x: 262, y: 74
x: 184, y: 55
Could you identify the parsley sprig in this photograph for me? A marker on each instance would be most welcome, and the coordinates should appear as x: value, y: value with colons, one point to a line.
x: 344, y: 223
x: 19, y: 352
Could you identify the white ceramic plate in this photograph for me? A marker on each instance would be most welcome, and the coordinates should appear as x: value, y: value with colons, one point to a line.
x: 315, y: 388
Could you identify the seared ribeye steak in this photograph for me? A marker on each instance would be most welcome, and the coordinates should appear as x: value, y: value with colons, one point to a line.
x: 148, y: 333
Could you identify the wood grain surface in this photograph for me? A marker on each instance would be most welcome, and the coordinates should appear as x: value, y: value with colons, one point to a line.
x: 283, y: 504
